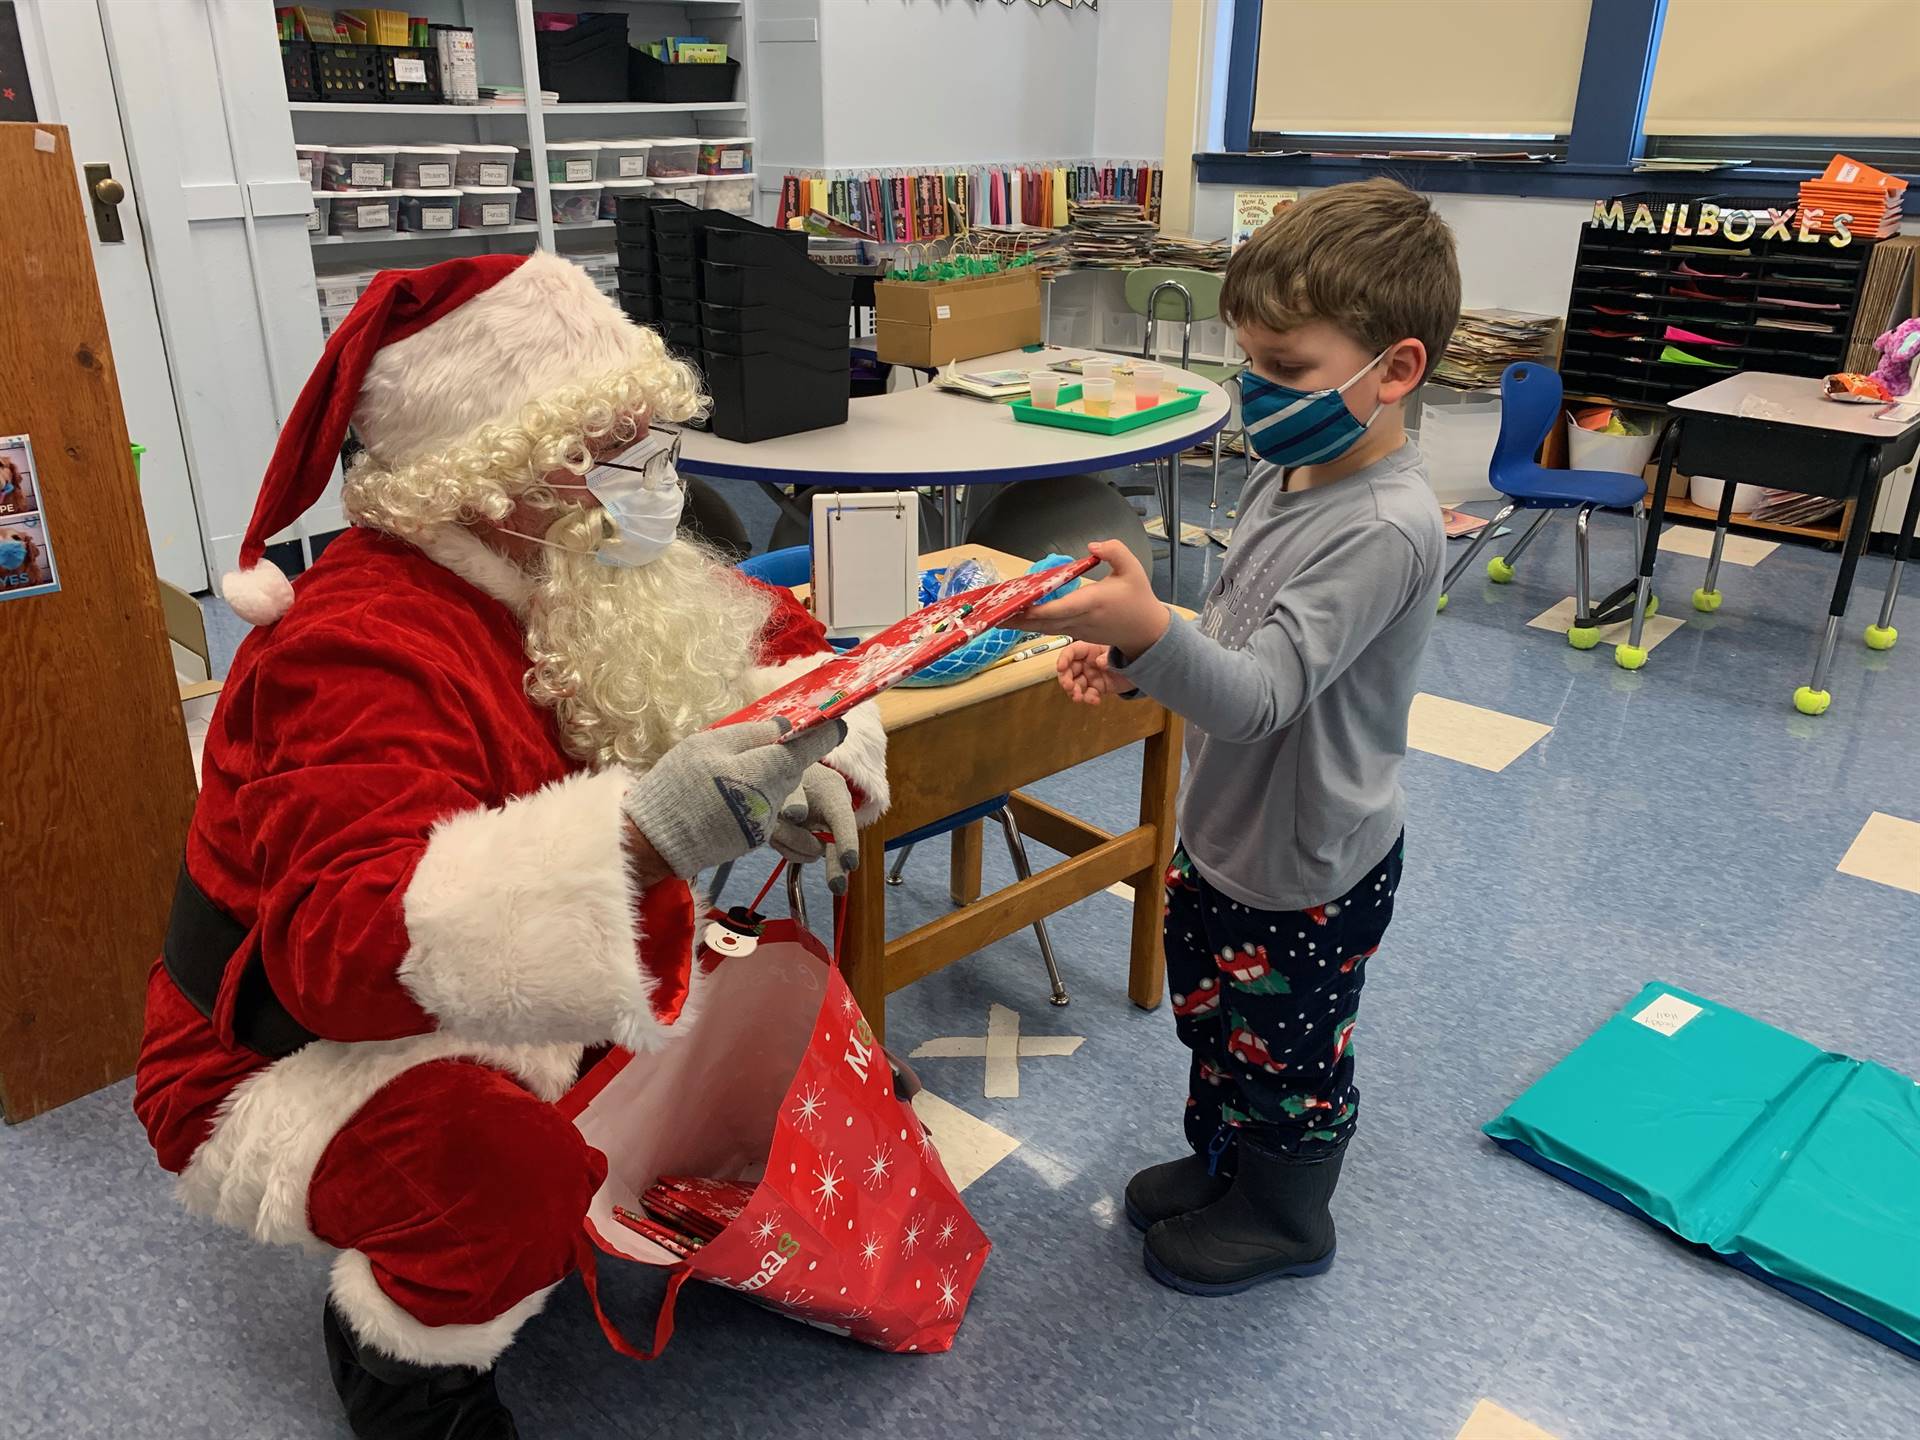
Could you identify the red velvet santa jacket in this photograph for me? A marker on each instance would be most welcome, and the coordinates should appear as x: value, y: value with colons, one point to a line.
x: 421, y: 869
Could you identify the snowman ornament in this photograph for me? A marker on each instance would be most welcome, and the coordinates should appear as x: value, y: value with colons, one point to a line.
x: 734, y: 934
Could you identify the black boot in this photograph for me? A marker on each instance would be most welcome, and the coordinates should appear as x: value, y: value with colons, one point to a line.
x: 1161, y: 1192
x: 1274, y: 1222
x: 389, y: 1399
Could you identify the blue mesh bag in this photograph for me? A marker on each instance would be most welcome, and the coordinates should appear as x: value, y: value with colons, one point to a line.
x: 989, y: 645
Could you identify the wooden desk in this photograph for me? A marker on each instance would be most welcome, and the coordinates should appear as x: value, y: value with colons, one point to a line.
x: 957, y: 745
x: 1780, y: 430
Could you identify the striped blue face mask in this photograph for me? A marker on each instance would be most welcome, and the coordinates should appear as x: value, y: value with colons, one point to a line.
x: 1292, y: 427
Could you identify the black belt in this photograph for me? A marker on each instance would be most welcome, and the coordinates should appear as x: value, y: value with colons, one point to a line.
x: 202, y: 941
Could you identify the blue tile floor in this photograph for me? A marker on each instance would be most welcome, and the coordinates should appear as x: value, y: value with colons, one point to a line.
x: 1681, y: 823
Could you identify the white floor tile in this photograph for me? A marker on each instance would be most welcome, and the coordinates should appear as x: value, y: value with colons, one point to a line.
x: 1692, y: 540
x: 1887, y: 850
x: 969, y: 1147
x: 1658, y: 627
x: 1469, y: 734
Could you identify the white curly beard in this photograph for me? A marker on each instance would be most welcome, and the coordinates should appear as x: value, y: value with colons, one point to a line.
x: 634, y: 660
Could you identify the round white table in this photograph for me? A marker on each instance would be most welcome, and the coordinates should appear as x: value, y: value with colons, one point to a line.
x: 927, y: 436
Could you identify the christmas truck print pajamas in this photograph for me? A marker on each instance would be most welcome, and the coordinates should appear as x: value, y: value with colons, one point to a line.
x: 1266, y: 1000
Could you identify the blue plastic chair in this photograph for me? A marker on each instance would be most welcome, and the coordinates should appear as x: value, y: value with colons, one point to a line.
x: 793, y: 566
x: 1530, y: 397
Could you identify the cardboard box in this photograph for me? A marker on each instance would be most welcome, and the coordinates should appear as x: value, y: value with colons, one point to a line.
x: 928, y: 324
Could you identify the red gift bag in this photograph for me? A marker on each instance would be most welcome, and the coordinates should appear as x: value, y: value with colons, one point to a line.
x: 853, y: 1226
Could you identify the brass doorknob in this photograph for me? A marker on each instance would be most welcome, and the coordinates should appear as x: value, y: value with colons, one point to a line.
x: 109, y: 191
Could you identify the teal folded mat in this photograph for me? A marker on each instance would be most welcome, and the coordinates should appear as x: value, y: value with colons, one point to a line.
x: 1800, y: 1166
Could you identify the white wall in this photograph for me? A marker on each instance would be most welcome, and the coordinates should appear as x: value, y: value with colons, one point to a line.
x: 1130, y: 78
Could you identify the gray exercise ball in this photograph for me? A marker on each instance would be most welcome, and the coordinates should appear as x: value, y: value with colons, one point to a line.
x: 1059, y: 515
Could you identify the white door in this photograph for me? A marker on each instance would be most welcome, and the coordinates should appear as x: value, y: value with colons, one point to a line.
x: 73, y: 85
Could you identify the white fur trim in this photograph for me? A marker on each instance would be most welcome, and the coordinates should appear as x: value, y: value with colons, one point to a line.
x: 543, y: 327
x: 260, y: 594
x: 523, y: 922
x: 377, y: 1321
x: 254, y: 1171
x: 486, y: 569
x: 862, y: 756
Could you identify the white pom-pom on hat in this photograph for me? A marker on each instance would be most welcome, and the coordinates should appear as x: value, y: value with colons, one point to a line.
x: 259, y: 594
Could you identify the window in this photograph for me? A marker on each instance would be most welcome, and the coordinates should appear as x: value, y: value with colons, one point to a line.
x: 1787, y: 82
x: 1347, y: 74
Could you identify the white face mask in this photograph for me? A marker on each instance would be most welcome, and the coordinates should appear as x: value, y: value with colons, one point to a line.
x: 640, y: 492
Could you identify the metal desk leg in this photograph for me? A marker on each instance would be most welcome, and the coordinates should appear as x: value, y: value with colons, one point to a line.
x: 1707, y: 598
x: 947, y: 497
x: 1175, y: 527
x: 1631, y: 656
x: 1480, y: 539
x: 1814, y: 698
x: 1882, y: 636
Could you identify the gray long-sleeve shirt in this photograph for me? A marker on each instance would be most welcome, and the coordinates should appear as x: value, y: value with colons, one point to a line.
x: 1297, y: 679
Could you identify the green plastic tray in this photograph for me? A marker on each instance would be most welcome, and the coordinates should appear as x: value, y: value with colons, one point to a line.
x: 1184, y: 400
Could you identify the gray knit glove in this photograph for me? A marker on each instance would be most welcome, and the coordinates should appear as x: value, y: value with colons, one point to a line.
x: 823, y: 802
x: 717, y: 795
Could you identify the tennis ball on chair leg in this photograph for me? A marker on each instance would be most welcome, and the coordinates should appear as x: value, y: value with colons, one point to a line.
x: 1706, y: 601
x: 1881, y: 637
x: 1809, y: 701
x: 1499, y: 571
x: 1629, y: 657
x: 1443, y: 602
x: 1583, y: 637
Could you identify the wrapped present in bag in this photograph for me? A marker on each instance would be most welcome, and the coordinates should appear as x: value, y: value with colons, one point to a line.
x: 853, y: 1225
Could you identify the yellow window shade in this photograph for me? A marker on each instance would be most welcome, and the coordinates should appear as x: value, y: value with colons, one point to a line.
x: 1787, y: 67
x: 1420, y: 67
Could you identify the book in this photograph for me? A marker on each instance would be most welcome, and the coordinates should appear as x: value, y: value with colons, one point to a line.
x: 987, y: 384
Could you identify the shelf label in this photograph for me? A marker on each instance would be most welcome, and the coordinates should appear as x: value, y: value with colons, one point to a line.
x: 733, y: 159
x: 578, y: 170
x: 495, y: 172
x: 441, y: 219
x: 313, y: 221
x: 409, y: 72
x: 437, y: 175
x: 631, y: 165
x: 369, y: 217
x: 495, y: 214
x: 369, y: 172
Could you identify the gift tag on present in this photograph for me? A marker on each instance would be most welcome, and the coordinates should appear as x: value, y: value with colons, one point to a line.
x: 735, y: 933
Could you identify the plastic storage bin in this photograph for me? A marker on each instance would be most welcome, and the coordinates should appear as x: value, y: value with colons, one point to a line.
x: 490, y: 165
x: 624, y: 159
x: 364, y: 212
x: 757, y: 397
x: 654, y: 80
x: 312, y: 163
x: 1706, y: 492
x: 731, y: 193
x: 1593, y: 450
x: 572, y: 204
x: 358, y: 167
x: 611, y: 192
x: 729, y: 155
x: 348, y: 73
x: 487, y: 207
x: 587, y: 61
x: 686, y: 189
x: 322, y: 208
x: 425, y: 167
x: 429, y: 209
x: 409, y: 75
x: 570, y: 162
x: 673, y: 156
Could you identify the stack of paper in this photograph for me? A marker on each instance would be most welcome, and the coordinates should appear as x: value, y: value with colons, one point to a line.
x: 1194, y: 254
x: 1487, y: 341
x: 1109, y: 233
x: 1010, y: 242
x: 1886, y: 298
x: 1871, y: 197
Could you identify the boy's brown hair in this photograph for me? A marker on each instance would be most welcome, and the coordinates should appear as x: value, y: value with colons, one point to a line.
x: 1371, y: 259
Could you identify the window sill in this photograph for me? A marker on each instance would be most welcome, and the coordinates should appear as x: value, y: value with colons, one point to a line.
x: 1554, y: 179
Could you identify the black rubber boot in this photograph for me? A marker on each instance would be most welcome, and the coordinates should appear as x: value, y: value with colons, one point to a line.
x: 1161, y: 1192
x: 389, y: 1399
x: 1272, y: 1223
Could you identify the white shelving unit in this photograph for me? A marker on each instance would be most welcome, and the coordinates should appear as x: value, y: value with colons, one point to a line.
x: 506, y: 51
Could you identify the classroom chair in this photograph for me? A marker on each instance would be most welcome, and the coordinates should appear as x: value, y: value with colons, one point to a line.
x: 1530, y: 397
x: 1178, y: 292
x: 791, y: 567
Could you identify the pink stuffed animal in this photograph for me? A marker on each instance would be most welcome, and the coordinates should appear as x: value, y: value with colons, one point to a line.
x: 1899, y: 366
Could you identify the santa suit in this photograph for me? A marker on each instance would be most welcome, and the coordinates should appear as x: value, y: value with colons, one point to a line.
x: 435, y: 890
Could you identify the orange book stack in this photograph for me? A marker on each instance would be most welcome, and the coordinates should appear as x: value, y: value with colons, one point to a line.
x: 1850, y: 187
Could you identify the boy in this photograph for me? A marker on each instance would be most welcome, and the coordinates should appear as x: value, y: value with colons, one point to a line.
x: 1296, y: 682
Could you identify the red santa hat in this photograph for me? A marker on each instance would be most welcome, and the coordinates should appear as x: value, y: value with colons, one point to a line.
x: 424, y: 360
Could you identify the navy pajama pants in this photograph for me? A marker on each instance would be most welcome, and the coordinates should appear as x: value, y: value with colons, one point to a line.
x: 1266, y: 1000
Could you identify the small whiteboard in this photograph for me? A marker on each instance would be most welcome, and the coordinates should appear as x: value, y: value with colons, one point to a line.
x: 866, y: 560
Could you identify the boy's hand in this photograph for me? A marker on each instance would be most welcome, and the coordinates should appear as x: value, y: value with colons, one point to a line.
x: 1086, y: 673
x: 1121, y: 610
